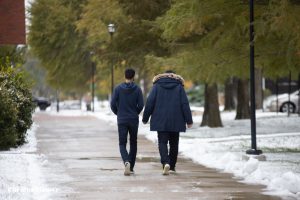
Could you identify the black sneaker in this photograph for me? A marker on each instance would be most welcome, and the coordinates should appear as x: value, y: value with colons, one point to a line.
x: 172, y: 170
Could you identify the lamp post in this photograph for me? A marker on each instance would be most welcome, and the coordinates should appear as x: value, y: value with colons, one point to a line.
x: 93, y: 85
x: 93, y: 82
x: 253, y: 150
x: 111, y: 30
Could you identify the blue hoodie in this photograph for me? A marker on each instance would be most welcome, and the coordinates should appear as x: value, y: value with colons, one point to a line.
x: 127, y: 102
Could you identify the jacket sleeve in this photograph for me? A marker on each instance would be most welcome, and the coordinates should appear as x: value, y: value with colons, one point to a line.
x: 149, y: 104
x: 185, y: 107
x: 140, y: 101
x: 114, y: 101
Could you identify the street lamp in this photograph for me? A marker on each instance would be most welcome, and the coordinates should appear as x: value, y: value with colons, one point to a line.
x: 111, y: 30
x: 253, y: 150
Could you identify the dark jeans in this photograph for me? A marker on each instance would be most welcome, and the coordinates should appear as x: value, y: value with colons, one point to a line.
x: 168, y: 156
x: 132, y: 129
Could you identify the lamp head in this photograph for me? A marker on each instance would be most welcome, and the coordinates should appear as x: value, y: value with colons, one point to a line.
x: 111, y: 28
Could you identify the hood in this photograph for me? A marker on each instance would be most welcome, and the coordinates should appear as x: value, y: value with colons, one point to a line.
x: 168, y: 80
x: 170, y: 76
x: 128, y: 87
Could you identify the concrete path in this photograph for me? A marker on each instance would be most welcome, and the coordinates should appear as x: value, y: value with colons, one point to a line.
x: 84, y: 163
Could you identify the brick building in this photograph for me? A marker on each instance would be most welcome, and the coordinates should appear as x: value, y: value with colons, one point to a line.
x: 12, y: 22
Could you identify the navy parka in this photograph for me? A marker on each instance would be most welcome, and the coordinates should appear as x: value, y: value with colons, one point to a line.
x: 168, y: 106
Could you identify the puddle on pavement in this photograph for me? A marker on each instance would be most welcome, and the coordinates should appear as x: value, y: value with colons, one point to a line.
x: 84, y: 159
x: 98, y: 158
x: 105, y: 169
x: 148, y: 159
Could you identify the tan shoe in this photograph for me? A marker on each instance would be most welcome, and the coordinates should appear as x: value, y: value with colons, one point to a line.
x: 127, y: 169
x: 166, y: 169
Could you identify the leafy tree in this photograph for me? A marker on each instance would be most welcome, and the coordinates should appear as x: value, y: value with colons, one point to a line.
x: 53, y: 38
x: 211, y: 40
x: 278, y: 39
x: 135, y: 35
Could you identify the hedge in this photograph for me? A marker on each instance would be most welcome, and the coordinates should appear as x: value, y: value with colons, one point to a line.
x: 16, y: 108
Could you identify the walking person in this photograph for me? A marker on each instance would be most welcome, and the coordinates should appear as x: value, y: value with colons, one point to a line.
x: 168, y: 106
x: 127, y: 103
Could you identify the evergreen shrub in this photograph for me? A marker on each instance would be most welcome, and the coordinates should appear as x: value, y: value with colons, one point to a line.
x: 16, y: 108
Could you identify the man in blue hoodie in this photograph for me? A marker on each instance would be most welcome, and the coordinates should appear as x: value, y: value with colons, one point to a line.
x: 127, y: 103
x: 168, y: 106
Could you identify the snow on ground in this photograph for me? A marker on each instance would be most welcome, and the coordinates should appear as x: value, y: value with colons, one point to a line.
x: 21, y: 176
x: 223, y: 148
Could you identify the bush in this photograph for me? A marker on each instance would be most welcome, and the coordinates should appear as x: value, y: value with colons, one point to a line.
x: 196, y: 95
x: 16, y: 109
x: 8, y: 120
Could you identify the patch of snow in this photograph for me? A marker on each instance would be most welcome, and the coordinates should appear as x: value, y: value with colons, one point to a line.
x: 20, y: 172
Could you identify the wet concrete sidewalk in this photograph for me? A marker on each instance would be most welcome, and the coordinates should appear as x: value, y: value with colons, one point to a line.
x: 83, y: 162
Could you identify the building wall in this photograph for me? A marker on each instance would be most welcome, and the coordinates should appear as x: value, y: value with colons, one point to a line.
x: 12, y: 22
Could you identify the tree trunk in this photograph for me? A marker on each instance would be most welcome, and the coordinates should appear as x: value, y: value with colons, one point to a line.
x: 258, y: 89
x: 146, y: 87
x: 211, y: 115
x: 145, y: 81
x: 229, y: 95
x: 243, y: 108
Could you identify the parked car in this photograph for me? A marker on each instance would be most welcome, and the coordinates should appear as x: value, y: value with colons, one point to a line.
x: 283, y: 102
x: 42, y: 102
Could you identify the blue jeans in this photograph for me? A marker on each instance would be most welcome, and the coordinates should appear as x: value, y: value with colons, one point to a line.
x: 168, y: 156
x: 132, y: 129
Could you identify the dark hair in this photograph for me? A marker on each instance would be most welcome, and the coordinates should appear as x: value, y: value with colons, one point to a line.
x: 170, y: 71
x: 129, y: 73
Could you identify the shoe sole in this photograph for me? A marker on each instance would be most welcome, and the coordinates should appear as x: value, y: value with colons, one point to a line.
x: 127, y: 170
x: 166, y: 169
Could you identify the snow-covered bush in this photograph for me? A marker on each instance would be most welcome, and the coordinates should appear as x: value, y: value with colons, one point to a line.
x: 16, y: 109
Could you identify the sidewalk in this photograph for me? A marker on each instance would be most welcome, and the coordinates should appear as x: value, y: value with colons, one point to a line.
x: 83, y: 162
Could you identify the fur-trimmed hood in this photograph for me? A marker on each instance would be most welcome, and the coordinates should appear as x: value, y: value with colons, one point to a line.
x: 168, y: 75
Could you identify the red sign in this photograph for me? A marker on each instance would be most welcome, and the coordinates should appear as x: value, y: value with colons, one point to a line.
x: 12, y: 22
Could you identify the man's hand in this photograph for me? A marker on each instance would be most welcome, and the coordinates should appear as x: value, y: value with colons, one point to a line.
x: 189, y: 125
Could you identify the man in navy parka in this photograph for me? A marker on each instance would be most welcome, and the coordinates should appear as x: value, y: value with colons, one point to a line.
x: 127, y: 103
x: 168, y: 106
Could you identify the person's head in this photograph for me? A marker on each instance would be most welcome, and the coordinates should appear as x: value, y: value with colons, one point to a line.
x: 170, y: 71
x: 129, y: 74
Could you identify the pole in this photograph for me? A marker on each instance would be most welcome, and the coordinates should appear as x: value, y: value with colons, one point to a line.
x: 253, y: 149
x: 277, y: 109
x: 289, y: 95
x: 263, y: 87
x: 57, y: 101
x: 93, y: 86
x: 299, y: 95
x: 112, y: 67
